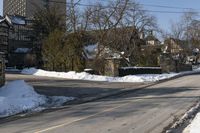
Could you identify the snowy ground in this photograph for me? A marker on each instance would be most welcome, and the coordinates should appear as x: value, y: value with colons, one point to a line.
x: 194, y: 126
x: 86, y: 76
x: 17, y: 97
x: 191, y: 128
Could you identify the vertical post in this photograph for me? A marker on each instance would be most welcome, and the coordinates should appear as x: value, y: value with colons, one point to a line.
x: 2, y: 69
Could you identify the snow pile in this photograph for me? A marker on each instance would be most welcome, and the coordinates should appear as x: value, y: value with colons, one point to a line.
x: 2, y: 19
x: 188, y: 115
x: 194, y: 127
x: 18, y: 96
x: 140, y: 68
x: 86, y: 76
x: 17, y: 20
x: 197, y: 69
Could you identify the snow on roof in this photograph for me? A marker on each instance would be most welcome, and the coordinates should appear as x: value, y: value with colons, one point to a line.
x: 111, y: 54
x: 91, y: 47
x: 2, y: 19
x: 91, y: 51
x: 16, y: 20
x: 22, y: 50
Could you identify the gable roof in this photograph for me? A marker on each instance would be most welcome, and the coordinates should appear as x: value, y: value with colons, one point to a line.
x: 14, y: 19
x: 4, y: 20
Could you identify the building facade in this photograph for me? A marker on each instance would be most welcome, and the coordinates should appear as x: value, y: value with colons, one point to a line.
x: 20, y: 48
x: 16, y: 42
x: 4, y: 35
x: 27, y: 8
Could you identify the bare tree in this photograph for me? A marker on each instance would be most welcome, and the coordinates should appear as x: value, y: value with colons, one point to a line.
x: 119, y: 25
x: 104, y: 19
x: 73, y: 15
x: 180, y: 30
x: 140, y: 23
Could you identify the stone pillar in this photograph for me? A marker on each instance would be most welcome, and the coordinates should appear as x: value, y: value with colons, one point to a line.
x: 112, y: 67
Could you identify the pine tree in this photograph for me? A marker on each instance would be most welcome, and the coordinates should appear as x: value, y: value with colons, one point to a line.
x: 52, y: 51
x: 73, y: 50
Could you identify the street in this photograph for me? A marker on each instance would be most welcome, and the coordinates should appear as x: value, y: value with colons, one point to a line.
x: 66, y: 87
x: 147, y: 110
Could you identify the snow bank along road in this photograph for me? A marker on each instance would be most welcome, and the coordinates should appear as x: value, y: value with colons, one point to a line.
x: 147, y: 110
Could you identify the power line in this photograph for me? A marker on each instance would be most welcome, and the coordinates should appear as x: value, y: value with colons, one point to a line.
x: 153, y: 11
x: 171, y: 7
x: 162, y: 6
x: 156, y: 11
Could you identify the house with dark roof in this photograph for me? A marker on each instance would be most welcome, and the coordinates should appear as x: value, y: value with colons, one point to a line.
x: 152, y: 40
x: 16, y: 40
x: 20, y: 42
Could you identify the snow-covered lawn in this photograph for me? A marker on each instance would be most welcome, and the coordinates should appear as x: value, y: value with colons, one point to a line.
x: 18, y: 96
x: 86, y: 76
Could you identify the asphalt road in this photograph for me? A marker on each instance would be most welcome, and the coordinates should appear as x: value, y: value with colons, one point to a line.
x: 75, y: 88
x: 148, y: 110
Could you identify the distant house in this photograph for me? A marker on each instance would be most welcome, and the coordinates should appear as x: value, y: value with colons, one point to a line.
x: 106, y: 62
x: 152, y: 40
x: 174, y: 46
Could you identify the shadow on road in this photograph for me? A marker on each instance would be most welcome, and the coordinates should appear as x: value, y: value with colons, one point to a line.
x: 141, y: 102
